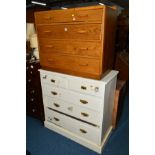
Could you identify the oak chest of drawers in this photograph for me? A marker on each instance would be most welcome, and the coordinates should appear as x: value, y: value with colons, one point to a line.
x: 77, y: 41
x: 79, y: 108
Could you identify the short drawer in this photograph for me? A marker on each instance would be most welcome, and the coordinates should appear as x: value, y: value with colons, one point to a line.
x: 54, y: 16
x: 82, y: 129
x: 87, y: 86
x: 86, y: 48
x: 71, y: 31
x: 87, y: 101
x: 54, y: 80
x: 54, y: 117
x: 71, y: 63
x: 95, y: 15
x: 55, y: 92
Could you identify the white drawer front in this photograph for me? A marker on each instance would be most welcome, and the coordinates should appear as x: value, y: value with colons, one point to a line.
x: 74, y: 110
x: 55, y: 104
x: 87, y: 101
x: 82, y: 129
x: 55, y: 92
x: 54, y: 80
x: 89, y: 115
x: 90, y: 87
x: 54, y: 117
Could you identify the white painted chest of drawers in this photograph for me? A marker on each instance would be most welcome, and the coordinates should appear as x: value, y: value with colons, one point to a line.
x: 79, y: 108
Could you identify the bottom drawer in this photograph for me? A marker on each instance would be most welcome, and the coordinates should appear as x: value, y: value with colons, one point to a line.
x: 82, y: 129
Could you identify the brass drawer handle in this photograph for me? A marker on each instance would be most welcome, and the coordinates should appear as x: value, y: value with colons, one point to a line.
x: 83, y: 64
x: 54, y: 93
x: 56, y: 105
x: 83, y: 101
x: 49, y: 46
x: 56, y: 119
x: 47, y: 18
x: 82, y: 31
x: 83, y: 131
x: 83, y: 87
x: 85, y: 15
x: 52, y: 80
x: 47, y: 31
x: 84, y: 48
x: 84, y: 114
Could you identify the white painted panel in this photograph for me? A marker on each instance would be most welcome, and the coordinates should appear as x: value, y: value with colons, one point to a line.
x: 87, y: 86
x: 50, y: 78
x: 55, y: 92
x: 87, y: 101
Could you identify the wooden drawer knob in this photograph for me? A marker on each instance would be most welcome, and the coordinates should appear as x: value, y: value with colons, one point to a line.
x: 82, y: 31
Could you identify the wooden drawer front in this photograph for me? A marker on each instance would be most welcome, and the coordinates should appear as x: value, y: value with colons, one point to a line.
x: 91, y: 87
x: 70, y: 63
x: 81, y: 31
x: 89, y: 15
x: 54, y: 80
x: 84, y: 130
x: 70, y: 47
x: 87, y: 101
x: 54, y: 16
x: 56, y: 93
x: 74, y: 110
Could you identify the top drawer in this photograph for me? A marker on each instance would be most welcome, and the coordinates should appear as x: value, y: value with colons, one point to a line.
x: 89, y: 15
x: 54, y: 80
x: 48, y: 17
x: 69, y: 15
x: 87, y: 86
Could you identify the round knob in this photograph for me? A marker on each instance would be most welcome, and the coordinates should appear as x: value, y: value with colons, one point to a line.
x: 65, y: 29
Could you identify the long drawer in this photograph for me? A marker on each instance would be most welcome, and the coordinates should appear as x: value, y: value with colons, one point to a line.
x: 79, y: 31
x: 85, y: 101
x: 74, y: 110
x: 69, y: 15
x: 70, y: 47
x: 82, y: 129
x: 71, y: 63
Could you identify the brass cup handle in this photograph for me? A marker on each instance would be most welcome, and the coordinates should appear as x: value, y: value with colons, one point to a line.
x: 83, y: 131
x: 84, y: 114
x: 83, y: 48
x: 83, y: 87
x: 85, y: 15
x: 82, y: 31
x: 83, y: 101
x: 54, y: 93
x: 52, y: 80
x: 83, y: 64
x: 48, y: 18
x: 56, y: 119
x: 56, y: 105
x: 49, y: 46
x: 47, y: 31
